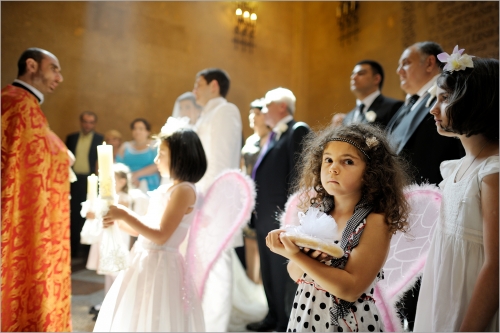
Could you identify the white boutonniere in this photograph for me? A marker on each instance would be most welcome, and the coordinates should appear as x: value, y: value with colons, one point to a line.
x: 432, y: 93
x: 280, y: 129
x: 370, y: 116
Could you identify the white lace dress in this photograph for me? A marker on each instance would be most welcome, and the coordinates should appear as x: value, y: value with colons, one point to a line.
x: 456, y: 255
x: 154, y: 294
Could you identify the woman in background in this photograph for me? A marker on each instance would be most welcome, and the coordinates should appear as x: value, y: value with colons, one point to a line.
x: 139, y: 155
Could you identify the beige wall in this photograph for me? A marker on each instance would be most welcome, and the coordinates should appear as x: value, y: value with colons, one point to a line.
x: 132, y: 59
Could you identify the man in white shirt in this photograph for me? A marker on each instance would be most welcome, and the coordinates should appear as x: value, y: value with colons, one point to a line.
x: 372, y: 107
x: 412, y: 131
x: 220, y: 130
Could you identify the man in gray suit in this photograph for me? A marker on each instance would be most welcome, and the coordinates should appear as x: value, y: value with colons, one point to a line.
x: 367, y: 79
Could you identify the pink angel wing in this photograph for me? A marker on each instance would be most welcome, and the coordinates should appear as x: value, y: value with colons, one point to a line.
x: 408, y: 252
x: 290, y: 216
x: 225, y: 208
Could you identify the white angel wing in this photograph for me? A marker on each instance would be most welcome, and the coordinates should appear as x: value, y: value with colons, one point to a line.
x: 225, y: 208
x: 408, y: 252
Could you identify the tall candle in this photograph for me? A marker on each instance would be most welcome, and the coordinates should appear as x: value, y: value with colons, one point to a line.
x: 106, y: 175
x: 91, y: 187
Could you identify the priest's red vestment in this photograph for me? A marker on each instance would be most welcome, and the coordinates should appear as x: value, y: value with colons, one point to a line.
x: 36, y: 268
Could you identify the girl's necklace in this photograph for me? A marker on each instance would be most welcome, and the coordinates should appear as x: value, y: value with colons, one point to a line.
x: 463, y: 174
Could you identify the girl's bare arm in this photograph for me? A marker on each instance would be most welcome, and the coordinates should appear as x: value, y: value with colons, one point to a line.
x: 363, y: 265
x: 180, y: 200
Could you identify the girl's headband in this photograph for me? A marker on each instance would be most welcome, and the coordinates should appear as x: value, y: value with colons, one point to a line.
x: 370, y: 142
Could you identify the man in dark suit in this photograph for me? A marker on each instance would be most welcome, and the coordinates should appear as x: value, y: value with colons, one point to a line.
x: 412, y: 130
x: 274, y: 173
x: 83, y: 145
x: 367, y: 79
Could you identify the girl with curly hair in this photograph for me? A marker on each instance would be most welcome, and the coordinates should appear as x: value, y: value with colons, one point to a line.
x: 358, y: 180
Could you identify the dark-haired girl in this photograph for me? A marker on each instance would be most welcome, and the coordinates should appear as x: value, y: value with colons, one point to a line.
x: 358, y: 181
x: 459, y: 289
x: 154, y: 293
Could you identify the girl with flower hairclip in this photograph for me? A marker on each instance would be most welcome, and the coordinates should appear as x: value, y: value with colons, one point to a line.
x: 358, y: 184
x: 155, y: 293
x: 459, y: 290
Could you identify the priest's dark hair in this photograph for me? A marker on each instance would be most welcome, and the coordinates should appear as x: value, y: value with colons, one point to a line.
x: 32, y: 53
x: 218, y: 75
x: 188, y: 161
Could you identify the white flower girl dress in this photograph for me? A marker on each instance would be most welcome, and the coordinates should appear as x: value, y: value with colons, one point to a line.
x: 154, y: 294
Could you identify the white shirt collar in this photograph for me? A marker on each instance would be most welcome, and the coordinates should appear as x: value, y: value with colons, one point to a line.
x: 424, y: 88
x: 368, y: 100
x: 422, y: 92
x: 213, y: 103
x: 284, y: 120
x: 33, y: 89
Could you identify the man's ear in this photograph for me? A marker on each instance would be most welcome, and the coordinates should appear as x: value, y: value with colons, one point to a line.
x: 214, y: 87
x: 377, y: 79
x: 430, y: 63
x: 31, y: 65
x: 284, y: 108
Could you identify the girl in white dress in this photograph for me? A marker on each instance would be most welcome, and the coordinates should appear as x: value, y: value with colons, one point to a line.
x: 359, y: 183
x: 154, y: 293
x: 459, y: 289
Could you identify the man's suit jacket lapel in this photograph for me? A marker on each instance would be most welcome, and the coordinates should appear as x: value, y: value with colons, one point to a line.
x: 405, y: 129
x: 275, y: 142
x: 72, y: 140
x: 376, y: 104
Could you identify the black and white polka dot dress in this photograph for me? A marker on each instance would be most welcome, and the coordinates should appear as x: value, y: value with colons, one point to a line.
x: 316, y: 310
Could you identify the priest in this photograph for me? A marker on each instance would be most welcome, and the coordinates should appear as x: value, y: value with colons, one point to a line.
x: 36, y: 269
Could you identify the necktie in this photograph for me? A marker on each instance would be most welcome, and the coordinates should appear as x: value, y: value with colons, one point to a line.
x: 359, y: 115
x: 262, y: 153
x: 405, y: 109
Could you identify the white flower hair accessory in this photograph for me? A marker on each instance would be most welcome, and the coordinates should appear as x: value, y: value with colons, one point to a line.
x: 370, y: 116
x: 280, y: 129
x: 174, y: 124
x: 457, y: 61
x: 371, y: 142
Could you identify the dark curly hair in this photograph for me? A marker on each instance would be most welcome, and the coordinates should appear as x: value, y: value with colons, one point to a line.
x: 384, y: 178
x: 473, y: 99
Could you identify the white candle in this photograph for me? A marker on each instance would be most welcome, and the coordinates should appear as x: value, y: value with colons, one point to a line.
x: 91, y: 187
x: 106, y: 175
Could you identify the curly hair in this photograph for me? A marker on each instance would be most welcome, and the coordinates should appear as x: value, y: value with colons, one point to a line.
x: 384, y: 178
